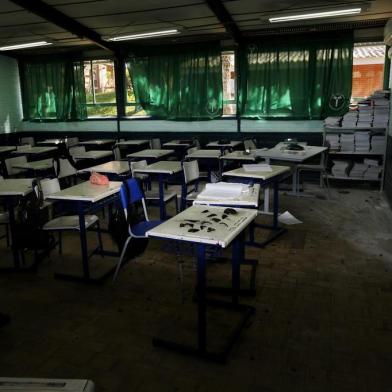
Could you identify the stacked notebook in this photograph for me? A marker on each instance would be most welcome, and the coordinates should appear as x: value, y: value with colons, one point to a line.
x: 362, y: 141
x: 341, y: 168
x: 378, y: 144
x: 333, y: 139
x: 332, y: 122
x: 350, y: 119
x: 347, y: 142
x: 358, y: 170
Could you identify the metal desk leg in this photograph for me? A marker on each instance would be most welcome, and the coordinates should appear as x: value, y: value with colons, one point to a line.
x: 201, y: 298
x: 15, y: 252
x: 162, y: 209
x: 83, y: 243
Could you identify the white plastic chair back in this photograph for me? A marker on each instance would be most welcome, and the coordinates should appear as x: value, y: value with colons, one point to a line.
x: 155, y: 144
x: 191, y: 171
x: 27, y: 140
x: 138, y: 165
x: 12, y: 161
x: 117, y: 153
x: 77, y: 150
x: 191, y: 150
x: 249, y: 144
x: 50, y: 186
x: 72, y: 141
x: 66, y: 169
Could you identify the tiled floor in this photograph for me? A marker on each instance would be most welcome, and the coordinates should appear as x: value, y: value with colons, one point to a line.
x: 323, y: 312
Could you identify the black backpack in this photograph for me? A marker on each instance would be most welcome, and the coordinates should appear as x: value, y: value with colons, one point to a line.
x: 118, y: 229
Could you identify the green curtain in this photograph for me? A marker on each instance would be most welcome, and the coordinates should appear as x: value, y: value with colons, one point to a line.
x: 54, y: 90
x: 295, y: 77
x: 183, y: 83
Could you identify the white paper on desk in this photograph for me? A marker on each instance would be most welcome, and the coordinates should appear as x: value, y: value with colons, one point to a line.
x: 258, y: 167
x: 288, y: 219
x: 222, y: 190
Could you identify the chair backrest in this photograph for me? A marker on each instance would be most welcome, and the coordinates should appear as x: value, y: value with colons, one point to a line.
x: 196, y: 142
x: 155, y: 144
x: 117, y: 153
x: 131, y: 193
x: 72, y: 141
x: 27, y: 140
x: 65, y: 168
x: 191, y: 171
x: 77, y: 150
x: 137, y: 165
x: 50, y: 186
x: 12, y: 161
x: 191, y: 150
x: 249, y: 144
x: 23, y: 147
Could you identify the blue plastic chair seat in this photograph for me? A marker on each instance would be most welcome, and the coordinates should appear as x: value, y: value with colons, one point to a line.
x: 141, y: 228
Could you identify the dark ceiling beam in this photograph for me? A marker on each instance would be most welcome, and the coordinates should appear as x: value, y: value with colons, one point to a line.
x: 225, y: 18
x: 58, y: 18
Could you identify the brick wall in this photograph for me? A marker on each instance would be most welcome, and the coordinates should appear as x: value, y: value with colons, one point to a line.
x: 366, y: 79
x: 10, y: 98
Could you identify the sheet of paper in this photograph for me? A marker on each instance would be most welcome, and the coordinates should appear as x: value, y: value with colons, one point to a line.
x: 258, y: 167
x: 288, y: 219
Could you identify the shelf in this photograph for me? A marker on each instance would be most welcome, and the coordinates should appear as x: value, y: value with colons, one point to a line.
x: 331, y: 177
x: 354, y: 153
x: 352, y: 130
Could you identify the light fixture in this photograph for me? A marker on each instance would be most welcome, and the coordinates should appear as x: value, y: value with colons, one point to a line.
x: 144, y: 35
x: 316, y: 15
x: 27, y: 45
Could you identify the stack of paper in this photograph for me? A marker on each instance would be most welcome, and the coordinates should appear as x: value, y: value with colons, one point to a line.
x: 373, y: 172
x: 381, y: 117
x: 371, y: 162
x: 362, y: 141
x: 257, y: 167
x: 347, y: 142
x: 378, y: 144
x: 350, y: 119
x: 222, y: 190
x: 332, y: 121
x: 340, y: 168
x: 358, y: 170
x: 333, y: 139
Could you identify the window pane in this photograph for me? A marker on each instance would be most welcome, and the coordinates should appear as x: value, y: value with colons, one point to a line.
x: 228, y: 75
x: 368, y: 69
x: 88, y: 86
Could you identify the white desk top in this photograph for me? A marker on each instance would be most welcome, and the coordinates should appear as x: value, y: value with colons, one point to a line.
x: 232, y: 143
x: 292, y: 156
x: 86, y: 191
x: 223, y: 234
x: 45, y: 164
x: 16, y: 186
x: 239, y: 156
x: 161, y: 167
x: 177, y: 143
x: 52, y: 141
x: 150, y: 153
x: 112, y: 167
x: 132, y: 142
x: 34, y: 150
x: 97, y: 142
x: 4, y: 149
x: 250, y: 198
x: 259, y: 175
x: 93, y: 154
x: 212, y: 154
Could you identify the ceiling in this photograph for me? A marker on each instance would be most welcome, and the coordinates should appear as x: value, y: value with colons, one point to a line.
x: 194, y: 18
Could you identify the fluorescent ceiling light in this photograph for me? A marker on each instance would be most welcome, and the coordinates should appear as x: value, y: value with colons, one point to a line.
x: 316, y: 15
x: 144, y: 35
x: 28, y: 45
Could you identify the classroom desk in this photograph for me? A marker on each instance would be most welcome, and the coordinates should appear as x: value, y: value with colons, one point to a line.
x: 265, y: 179
x: 230, y: 145
x: 12, y: 190
x: 161, y: 169
x: 6, y: 149
x: 177, y: 228
x: 134, y: 142
x: 87, y: 198
x: 35, y: 166
x: 177, y: 144
x: 5, y: 152
x: 112, y: 168
x: 278, y: 153
x: 93, y: 154
x: 206, y: 155
x: 34, y: 151
x: 239, y: 156
x: 52, y: 142
x: 97, y: 142
x: 151, y: 154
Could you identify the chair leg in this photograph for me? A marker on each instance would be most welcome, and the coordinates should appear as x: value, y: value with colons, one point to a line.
x: 99, y: 234
x: 125, y: 247
x: 180, y: 271
x: 60, y: 242
x: 7, y: 235
x: 325, y: 175
x: 176, y: 203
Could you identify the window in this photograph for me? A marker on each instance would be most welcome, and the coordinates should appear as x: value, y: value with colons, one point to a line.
x: 99, y: 82
x: 132, y: 108
x: 228, y: 79
x: 368, y: 69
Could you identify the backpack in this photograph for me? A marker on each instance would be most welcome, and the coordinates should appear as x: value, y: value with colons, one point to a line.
x: 118, y: 229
